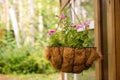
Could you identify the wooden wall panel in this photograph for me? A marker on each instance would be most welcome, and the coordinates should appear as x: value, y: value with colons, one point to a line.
x: 97, y: 18
x: 117, y: 35
x: 113, y: 15
x: 104, y: 46
x: 111, y: 40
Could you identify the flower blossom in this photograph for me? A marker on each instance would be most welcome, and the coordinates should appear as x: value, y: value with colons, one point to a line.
x: 51, y: 32
x: 86, y: 24
x: 62, y: 16
x: 78, y: 26
x: 81, y: 26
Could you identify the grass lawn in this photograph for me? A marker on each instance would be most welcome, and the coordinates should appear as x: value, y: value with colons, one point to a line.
x: 86, y: 75
x: 55, y: 76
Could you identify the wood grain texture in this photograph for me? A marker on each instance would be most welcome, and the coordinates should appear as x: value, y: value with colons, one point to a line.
x: 111, y: 40
x: 97, y: 30
x: 117, y: 37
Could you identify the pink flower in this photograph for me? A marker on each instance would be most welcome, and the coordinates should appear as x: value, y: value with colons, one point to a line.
x: 62, y: 16
x: 51, y: 32
x: 83, y: 25
x: 78, y: 26
x: 86, y: 24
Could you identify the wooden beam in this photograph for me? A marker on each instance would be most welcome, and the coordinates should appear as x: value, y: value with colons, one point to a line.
x: 97, y: 19
x: 117, y: 37
x: 111, y: 40
x: 104, y: 39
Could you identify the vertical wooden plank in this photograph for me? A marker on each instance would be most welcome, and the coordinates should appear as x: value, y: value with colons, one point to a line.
x: 104, y: 39
x: 111, y: 40
x: 117, y: 35
x: 97, y: 30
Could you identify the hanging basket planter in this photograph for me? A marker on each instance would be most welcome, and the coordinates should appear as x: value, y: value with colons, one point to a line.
x: 78, y: 55
x: 71, y: 60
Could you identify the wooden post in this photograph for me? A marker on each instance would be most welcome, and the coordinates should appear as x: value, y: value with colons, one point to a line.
x: 98, y: 65
x: 113, y: 17
x: 112, y: 47
x: 117, y: 37
x: 111, y: 41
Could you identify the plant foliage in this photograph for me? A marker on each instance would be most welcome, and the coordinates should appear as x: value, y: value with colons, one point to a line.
x: 71, y: 35
x: 23, y: 61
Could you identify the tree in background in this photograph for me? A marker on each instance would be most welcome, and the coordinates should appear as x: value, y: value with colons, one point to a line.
x: 34, y: 17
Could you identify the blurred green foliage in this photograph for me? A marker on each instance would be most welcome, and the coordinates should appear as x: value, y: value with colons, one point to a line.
x: 48, y: 9
x: 8, y: 39
x: 23, y: 60
x: 89, y: 7
x: 27, y: 58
